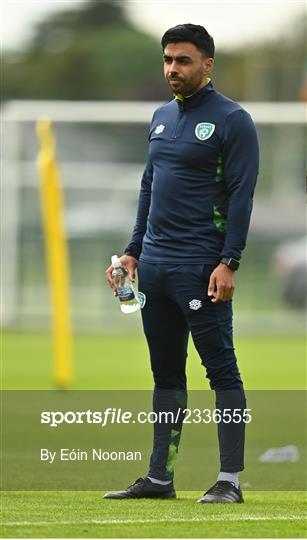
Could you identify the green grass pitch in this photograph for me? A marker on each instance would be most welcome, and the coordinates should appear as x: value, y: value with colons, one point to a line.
x: 86, y: 515
x: 121, y: 362
x: 118, y: 362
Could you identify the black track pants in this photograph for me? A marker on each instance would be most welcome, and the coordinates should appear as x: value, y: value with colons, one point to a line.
x: 176, y: 305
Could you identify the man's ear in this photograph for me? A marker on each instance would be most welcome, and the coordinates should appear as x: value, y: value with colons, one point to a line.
x: 208, y: 64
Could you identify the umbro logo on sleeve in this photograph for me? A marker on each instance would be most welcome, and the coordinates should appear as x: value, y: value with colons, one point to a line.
x: 159, y: 129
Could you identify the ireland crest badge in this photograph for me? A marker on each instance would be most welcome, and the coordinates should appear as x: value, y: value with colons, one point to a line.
x: 204, y: 130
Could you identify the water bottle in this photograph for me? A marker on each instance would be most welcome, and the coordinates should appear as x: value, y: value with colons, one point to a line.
x: 129, y: 302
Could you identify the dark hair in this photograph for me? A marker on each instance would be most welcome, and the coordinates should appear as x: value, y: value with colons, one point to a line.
x: 192, y: 33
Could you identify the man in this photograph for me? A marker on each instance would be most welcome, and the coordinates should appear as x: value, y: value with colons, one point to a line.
x: 191, y: 226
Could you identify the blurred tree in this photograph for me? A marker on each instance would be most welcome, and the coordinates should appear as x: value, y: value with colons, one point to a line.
x: 95, y: 53
x: 94, y: 15
x: 90, y: 53
x: 275, y: 70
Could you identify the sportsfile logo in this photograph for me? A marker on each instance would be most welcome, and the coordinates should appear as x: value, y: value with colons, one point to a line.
x: 119, y: 416
x: 111, y: 415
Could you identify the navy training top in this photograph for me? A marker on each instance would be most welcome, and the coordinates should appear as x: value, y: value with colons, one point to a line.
x: 197, y: 189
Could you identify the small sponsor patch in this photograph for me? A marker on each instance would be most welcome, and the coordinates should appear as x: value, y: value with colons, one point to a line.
x: 159, y: 129
x: 195, y: 304
x: 204, y: 130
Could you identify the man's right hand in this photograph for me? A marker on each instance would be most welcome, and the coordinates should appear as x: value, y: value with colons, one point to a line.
x: 127, y: 262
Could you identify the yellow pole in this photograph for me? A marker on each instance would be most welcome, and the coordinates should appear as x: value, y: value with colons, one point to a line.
x: 57, y: 253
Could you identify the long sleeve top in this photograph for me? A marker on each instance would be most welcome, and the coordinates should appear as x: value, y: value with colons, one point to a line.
x: 197, y: 189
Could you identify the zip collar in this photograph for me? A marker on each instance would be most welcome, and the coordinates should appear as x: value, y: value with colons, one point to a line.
x: 195, y: 99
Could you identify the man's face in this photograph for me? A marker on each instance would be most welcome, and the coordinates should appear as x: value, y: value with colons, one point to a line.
x: 185, y: 67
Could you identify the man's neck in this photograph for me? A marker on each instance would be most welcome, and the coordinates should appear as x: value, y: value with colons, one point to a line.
x: 180, y: 97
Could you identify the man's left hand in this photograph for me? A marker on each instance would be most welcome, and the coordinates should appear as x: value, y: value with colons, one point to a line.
x: 221, y: 284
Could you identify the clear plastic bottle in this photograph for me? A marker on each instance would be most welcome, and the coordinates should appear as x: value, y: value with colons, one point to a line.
x: 129, y: 302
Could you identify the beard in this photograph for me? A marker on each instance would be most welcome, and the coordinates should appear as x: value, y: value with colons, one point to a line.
x: 177, y: 84
x: 181, y: 86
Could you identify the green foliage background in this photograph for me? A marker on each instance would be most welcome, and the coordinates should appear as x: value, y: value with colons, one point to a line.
x: 95, y: 53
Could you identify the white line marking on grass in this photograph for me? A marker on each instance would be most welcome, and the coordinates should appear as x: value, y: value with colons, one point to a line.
x: 225, y: 517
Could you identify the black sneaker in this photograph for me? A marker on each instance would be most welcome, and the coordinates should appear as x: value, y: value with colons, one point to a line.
x: 143, y: 488
x: 222, y: 492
